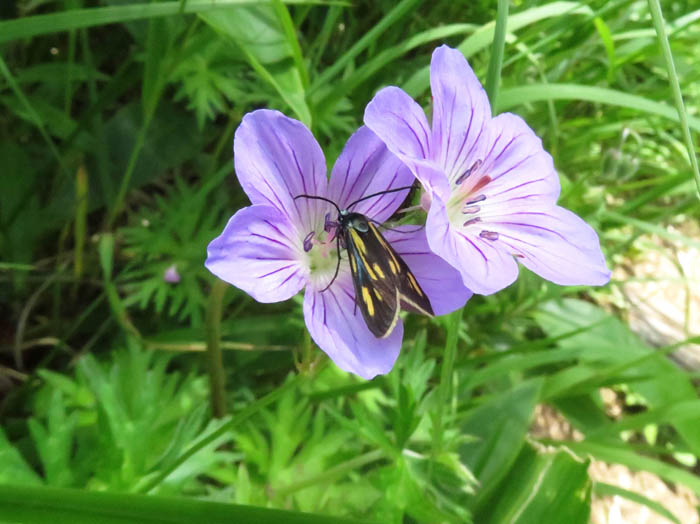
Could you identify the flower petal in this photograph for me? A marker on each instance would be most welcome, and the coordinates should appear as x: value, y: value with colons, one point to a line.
x: 521, y: 171
x: 276, y: 159
x: 554, y: 243
x: 440, y: 281
x: 364, y: 167
x: 461, y: 112
x: 338, y: 328
x: 259, y: 253
x: 400, y: 123
x: 485, y: 266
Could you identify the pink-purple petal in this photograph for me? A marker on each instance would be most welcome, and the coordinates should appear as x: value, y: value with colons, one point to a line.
x: 461, y: 112
x: 485, y: 266
x: 521, y: 171
x: 277, y: 158
x: 554, y: 243
x: 440, y: 281
x: 259, y: 253
x: 365, y: 167
x: 401, y: 124
x: 337, y: 327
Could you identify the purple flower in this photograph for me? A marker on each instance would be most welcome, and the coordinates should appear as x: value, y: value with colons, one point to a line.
x: 280, y: 245
x: 492, y: 188
x: 171, y: 274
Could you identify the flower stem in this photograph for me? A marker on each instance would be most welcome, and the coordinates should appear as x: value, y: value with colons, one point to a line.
x: 445, y: 388
x: 660, y: 27
x: 217, y: 379
x: 493, y: 76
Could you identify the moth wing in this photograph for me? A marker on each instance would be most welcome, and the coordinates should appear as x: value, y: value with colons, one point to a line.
x: 378, y: 298
x: 412, y: 296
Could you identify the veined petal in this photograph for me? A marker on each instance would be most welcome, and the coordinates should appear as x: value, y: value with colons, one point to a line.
x: 276, y: 159
x: 338, y: 328
x: 554, y: 243
x: 440, y: 281
x: 400, y: 123
x: 521, y: 171
x: 365, y: 167
x: 485, y: 265
x: 259, y: 253
x: 461, y: 112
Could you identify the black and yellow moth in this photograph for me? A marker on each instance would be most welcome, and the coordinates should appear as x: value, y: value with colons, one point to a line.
x: 383, y: 282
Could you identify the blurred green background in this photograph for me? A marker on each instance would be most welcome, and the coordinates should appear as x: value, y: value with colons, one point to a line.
x: 115, y: 167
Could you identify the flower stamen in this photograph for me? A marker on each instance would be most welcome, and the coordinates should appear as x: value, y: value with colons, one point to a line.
x: 476, y: 165
x: 472, y: 221
x: 469, y: 210
x: 309, y: 241
x: 329, y: 224
x: 489, y: 235
x: 474, y: 200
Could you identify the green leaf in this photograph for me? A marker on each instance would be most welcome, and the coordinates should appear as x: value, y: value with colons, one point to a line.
x: 482, y: 38
x: 14, y: 468
x: 609, y: 344
x: 263, y: 36
x: 603, y: 489
x: 79, y: 18
x: 542, y: 486
x: 515, y: 96
x: 622, y: 454
x: 31, y: 505
x: 499, y: 426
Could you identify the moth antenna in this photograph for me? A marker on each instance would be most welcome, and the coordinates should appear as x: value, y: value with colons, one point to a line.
x: 367, y: 197
x: 314, y: 197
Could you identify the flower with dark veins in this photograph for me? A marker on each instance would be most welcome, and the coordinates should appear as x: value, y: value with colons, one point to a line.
x: 490, y: 186
x: 278, y: 246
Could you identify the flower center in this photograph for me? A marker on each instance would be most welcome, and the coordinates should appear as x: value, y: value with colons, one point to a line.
x: 465, y: 207
x: 321, y: 249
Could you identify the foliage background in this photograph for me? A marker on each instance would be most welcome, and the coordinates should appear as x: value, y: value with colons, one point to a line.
x: 115, y: 138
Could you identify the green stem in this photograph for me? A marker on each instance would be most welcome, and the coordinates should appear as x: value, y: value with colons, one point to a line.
x: 660, y: 27
x: 236, y: 420
x: 445, y: 387
x: 217, y: 378
x: 493, y: 77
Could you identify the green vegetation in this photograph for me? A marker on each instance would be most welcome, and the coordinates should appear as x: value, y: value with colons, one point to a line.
x: 115, y: 144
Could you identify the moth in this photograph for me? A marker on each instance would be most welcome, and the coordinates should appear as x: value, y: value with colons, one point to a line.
x: 383, y: 282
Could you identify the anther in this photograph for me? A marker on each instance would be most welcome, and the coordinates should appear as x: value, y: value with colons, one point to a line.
x: 468, y: 210
x: 308, y: 241
x: 489, y: 235
x: 476, y: 165
x: 472, y: 221
x: 328, y: 224
x: 480, y: 198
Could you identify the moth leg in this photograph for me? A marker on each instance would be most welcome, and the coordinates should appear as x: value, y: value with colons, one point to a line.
x: 337, y: 266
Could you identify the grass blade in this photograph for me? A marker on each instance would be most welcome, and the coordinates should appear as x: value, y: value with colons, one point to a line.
x: 65, y: 506
x: 95, y: 16
x: 493, y: 76
x: 660, y: 26
x: 420, y: 80
x: 516, y: 96
x: 387, y: 21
